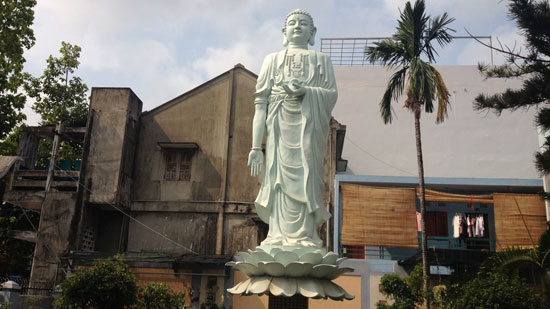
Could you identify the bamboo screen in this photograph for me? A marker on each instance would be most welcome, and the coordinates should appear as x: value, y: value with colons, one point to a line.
x: 436, y: 196
x: 517, y: 216
x: 378, y: 216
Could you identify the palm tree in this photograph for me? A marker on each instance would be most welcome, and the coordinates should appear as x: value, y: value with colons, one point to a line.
x: 411, y: 51
x: 536, y: 259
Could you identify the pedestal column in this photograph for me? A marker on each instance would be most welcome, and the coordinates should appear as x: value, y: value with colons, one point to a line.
x: 283, y: 302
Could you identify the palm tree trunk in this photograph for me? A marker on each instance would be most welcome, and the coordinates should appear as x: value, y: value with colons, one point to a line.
x: 424, y: 241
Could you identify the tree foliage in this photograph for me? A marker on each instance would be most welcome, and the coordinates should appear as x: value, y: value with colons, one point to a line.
x: 497, y: 290
x: 60, y: 96
x: 16, y: 35
x: 412, y: 50
x: 108, y: 284
x: 15, y: 255
x: 412, y: 43
x: 405, y: 292
x: 533, y: 66
x: 535, y: 262
x: 159, y: 296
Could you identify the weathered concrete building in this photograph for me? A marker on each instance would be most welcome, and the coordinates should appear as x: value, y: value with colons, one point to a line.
x: 169, y: 187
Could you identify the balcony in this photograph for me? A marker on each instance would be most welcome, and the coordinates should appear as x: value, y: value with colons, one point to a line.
x: 27, y: 187
x: 473, y: 244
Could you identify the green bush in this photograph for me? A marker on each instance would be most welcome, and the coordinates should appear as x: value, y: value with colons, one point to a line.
x: 108, y: 284
x: 406, y: 292
x: 159, y: 296
x: 497, y: 290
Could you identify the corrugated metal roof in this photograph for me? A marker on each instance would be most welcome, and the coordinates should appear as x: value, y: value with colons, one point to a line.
x: 6, y: 162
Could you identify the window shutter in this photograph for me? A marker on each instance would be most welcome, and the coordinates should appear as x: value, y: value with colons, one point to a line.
x: 383, y: 217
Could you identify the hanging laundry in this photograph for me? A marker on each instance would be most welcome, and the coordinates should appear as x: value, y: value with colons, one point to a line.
x: 457, y: 225
x: 479, y: 226
x: 470, y: 222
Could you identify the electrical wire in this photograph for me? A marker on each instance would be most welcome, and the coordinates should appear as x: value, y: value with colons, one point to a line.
x: 121, y: 211
x: 379, y: 160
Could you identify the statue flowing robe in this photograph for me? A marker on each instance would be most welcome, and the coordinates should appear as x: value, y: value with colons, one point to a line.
x: 291, y: 195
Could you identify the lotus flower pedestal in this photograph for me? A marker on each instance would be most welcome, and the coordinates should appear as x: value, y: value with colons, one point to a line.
x: 288, y: 271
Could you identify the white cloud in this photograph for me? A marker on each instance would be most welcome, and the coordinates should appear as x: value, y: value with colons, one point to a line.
x: 162, y: 49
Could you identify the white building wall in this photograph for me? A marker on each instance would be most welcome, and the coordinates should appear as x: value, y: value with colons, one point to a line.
x: 468, y: 144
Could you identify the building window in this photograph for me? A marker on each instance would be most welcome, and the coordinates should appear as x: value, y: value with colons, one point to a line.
x: 178, y: 164
x: 437, y: 224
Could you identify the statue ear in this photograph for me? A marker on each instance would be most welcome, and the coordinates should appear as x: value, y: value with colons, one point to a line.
x: 285, y: 40
x: 311, y: 40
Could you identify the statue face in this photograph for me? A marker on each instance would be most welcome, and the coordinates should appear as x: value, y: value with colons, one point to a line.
x: 298, y: 29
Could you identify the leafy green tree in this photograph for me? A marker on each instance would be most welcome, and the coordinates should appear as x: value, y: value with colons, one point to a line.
x: 411, y: 51
x: 533, y: 66
x: 16, y: 35
x: 405, y: 292
x: 9, y: 145
x: 60, y: 96
x: 497, y: 290
x: 108, y: 284
x: 15, y: 255
x: 535, y: 261
x: 159, y: 296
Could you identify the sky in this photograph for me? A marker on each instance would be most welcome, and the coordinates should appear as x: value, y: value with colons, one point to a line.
x: 161, y: 49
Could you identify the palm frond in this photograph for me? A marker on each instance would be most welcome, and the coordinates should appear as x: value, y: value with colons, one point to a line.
x: 513, y: 256
x: 411, y: 28
x: 544, y: 247
x: 393, y: 91
x: 443, y: 96
x: 421, y: 83
x: 544, y: 240
x: 388, y: 52
x: 439, y: 31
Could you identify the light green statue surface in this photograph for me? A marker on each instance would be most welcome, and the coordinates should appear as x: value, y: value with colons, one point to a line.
x: 294, y: 97
x: 295, y: 94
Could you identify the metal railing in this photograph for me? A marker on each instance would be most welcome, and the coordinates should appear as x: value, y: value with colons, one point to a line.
x: 351, y: 51
x: 394, y: 253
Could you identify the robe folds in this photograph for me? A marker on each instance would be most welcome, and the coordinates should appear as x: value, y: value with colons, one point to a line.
x: 305, y: 187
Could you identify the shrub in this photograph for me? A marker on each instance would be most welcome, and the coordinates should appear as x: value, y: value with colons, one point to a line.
x: 497, y: 290
x: 159, y: 296
x: 108, y: 284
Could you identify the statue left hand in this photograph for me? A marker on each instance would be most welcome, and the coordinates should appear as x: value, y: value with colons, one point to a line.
x: 255, y: 160
x: 295, y: 89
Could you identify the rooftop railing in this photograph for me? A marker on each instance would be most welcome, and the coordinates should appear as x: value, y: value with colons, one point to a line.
x: 351, y: 51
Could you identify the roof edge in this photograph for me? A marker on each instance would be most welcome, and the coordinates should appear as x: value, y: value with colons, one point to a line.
x: 169, y: 103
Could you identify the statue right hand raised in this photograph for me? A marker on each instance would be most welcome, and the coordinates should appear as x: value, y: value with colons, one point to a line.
x: 255, y: 161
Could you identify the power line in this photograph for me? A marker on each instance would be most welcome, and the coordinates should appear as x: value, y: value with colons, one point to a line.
x: 119, y: 210
x: 379, y: 160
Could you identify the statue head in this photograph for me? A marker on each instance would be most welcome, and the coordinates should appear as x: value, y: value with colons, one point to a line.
x: 301, y: 19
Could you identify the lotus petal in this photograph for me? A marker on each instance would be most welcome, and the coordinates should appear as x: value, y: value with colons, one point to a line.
x: 313, y: 258
x: 285, y: 257
x: 262, y: 256
x: 330, y: 258
x: 332, y: 290
x: 348, y: 296
x: 338, y: 272
x: 283, y: 286
x: 248, y: 258
x: 274, y: 269
x: 258, y: 285
x: 230, y: 264
x: 298, y: 269
x: 340, y: 260
x: 322, y: 270
x: 310, y: 288
x: 275, y: 251
x: 256, y: 249
x: 240, y: 288
x: 302, y: 250
x: 249, y: 269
